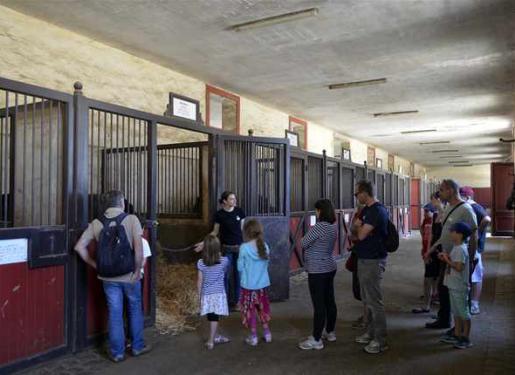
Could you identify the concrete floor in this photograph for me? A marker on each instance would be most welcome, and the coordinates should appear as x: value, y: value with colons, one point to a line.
x: 413, y: 349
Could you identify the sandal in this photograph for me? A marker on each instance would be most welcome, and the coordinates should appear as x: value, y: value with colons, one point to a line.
x: 220, y: 339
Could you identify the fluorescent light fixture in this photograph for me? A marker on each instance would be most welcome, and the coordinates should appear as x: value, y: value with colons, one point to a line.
x: 434, y: 143
x: 379, y: 114
x: 462, y: 165
x: 274, y: 20
x: 450, y: 157
x: 459, y: 162
x: 347, y: 85
x: 418, y: 131
x: 439, y: 151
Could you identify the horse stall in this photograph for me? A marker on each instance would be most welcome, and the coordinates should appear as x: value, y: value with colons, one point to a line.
x: 313, y: 177
x: 256, y: 169
x: 416, y: 202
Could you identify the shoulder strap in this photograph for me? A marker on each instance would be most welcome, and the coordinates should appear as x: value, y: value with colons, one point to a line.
x: 450, y: 213
x: 120, y: 218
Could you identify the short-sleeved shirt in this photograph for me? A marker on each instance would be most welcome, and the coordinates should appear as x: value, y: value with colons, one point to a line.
x: 230, y: 226
x: 132, y: 227
x: 213, y: 276
x: 372, y: 246
x: 455, y: 280
x: 480, y: 215
x: 464, y: 213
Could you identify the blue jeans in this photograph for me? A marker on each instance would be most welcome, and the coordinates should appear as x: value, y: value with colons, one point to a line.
x: 232, y: 280
x: 115, y: 292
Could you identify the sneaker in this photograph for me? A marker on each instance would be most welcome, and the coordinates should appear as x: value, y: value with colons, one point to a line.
x: 252, y: 340
x: 374, y: 347
x: 331, y: 336
x: 311, y: 344
x: 220, y: 339
x: 147, y: 348
x: 363, y: 339
x: 116, y: 359
x: 463, y: 343
x: 474, y: 310
x: 267, y: 337
x: 210, y: 345
x: 449, y: 339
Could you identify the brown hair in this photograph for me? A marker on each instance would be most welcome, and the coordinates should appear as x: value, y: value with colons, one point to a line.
x: 253, y: 230
x: 211, y: 252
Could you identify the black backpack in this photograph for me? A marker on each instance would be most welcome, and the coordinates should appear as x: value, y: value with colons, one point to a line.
x: 115, y: 256
x: 391, y: 241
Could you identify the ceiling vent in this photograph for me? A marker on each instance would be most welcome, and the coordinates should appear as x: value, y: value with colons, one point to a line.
x: 347, y: 85
x: 274, y: 20
x: 434, y: 143
x: 418, y: 131
x: 380, y: 114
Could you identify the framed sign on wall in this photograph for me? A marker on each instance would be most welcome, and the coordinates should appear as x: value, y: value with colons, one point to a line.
x: 379, y: 163
x: 293, y: 137
x: 182, y: 106
x: 346, y: 154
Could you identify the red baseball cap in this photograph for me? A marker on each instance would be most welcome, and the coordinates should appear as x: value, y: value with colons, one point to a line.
x: 466, y: 191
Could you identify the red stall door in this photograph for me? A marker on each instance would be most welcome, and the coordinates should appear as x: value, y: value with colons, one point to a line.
x: 502, y: 186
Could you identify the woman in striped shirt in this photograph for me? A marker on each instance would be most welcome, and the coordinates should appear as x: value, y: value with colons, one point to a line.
x: 318, y: 246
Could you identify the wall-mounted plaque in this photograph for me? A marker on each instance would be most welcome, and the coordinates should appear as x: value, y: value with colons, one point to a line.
x: 182, y: 106
x: 346, y: 154
x: 293, y: 137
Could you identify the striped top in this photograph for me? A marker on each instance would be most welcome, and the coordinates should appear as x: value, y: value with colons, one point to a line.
x: 213, y: 276
x: 318, y: 246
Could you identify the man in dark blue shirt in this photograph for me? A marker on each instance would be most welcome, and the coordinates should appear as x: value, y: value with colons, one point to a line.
x: 369, y: 233
x: 483, y: 220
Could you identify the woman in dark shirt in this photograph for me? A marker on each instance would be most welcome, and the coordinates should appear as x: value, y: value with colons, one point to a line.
x: 228, y: 224
x: 318, y: 246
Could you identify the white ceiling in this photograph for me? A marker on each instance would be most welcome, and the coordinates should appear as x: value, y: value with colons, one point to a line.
x: 452, y: 60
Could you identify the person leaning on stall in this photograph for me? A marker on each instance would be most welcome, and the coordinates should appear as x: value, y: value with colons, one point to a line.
x: 228, y: 225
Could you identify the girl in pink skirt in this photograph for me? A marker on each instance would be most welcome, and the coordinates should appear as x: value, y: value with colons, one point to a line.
x: 254, y: 281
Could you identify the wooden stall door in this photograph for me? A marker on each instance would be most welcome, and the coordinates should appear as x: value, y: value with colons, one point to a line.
x: 502, y: 187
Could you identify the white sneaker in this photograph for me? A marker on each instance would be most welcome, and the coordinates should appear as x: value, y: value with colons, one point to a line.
x: 474, y: 310
x: 310, y: 343
x: 363, y: 339
x: 331, y: 336
x: 374, y: 347
x: 252, y: 340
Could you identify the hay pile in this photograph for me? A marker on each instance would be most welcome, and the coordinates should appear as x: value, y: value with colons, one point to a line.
x: 177, y: 297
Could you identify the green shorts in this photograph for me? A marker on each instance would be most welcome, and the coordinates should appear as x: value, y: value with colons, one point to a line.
x: 460, y: 303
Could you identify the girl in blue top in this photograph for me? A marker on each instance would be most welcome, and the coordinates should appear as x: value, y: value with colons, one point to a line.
x: 254, y: 281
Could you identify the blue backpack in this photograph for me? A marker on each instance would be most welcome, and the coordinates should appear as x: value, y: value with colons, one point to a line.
x: 115, y: 256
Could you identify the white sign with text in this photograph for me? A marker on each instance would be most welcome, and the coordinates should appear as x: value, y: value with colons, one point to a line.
x: 13, y: 251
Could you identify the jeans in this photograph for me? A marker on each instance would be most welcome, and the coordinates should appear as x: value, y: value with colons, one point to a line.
x: 115, y: 293
x: 321, y: 288
x: 232, y: 280
x: 370, y: 274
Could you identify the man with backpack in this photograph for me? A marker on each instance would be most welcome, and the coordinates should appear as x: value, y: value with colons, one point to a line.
x: 118, y: 262
x: 373, y: 241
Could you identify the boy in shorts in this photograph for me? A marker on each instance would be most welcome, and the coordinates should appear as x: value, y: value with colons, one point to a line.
x: 457, y: 281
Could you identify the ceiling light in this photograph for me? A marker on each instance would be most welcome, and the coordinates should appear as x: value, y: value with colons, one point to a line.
x: 434, y: 143
x: 274, y: 20
x: 438, y: 151
x: 450, y: 157
x: 346, y: 85
x: 458, y: 161
x: 394, y: 113
x: 462, y: 165
x: 418, y: 131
